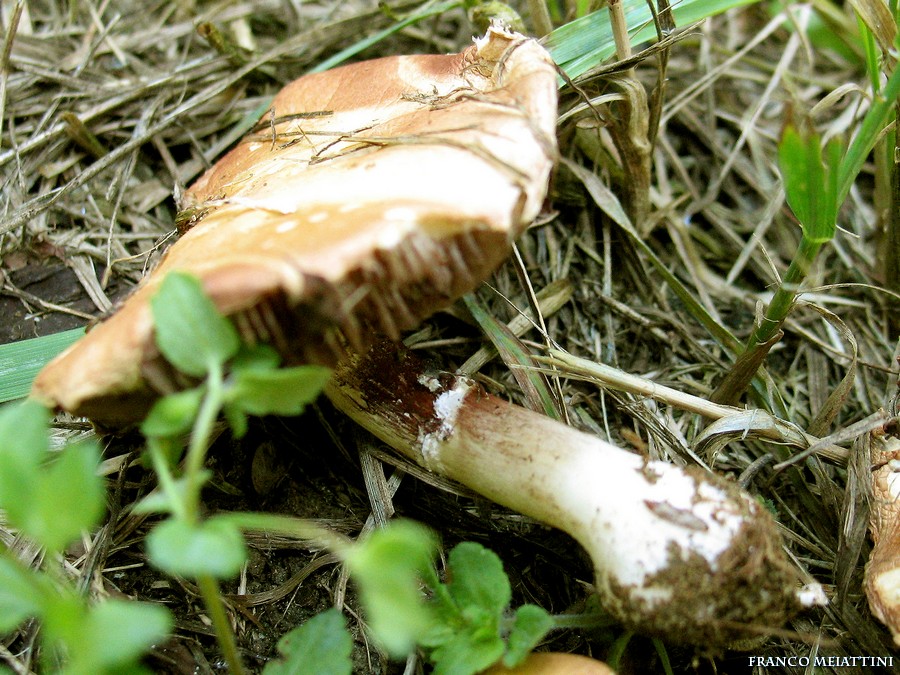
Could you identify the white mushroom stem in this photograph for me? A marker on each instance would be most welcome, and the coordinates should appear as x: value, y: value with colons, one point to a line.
x: 677, y: 553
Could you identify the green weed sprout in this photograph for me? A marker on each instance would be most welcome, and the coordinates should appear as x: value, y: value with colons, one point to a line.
x: 52, y: 498
x: 810, y: 174
x: 464, y: 624
x: 237, y: 379
x: 817, y: 180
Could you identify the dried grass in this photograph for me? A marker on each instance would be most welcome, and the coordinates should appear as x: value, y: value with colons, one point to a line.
x: 149, y: 104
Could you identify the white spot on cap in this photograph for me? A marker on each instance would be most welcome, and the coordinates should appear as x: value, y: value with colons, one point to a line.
x: 404, y: 214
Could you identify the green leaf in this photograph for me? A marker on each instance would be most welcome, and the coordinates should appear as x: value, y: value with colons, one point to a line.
x: 470, y: 634
x: 24, y: 426
x: 468, y: 649
x: 117, y: 633
x: 811, y: 181
x: 530, y: 625
x: 20, y: 594
x: 236, y: 419
x: 256, y: 357
x: 107, y: 638
x: 321, y: 646
x: 70, y: 497
x: 213, y: 547
x: 173, y: 415
x: 792, y: 160
x: 834, y: 154
x: 585, y: 43
x: 477, y: 578
x: 23, y: 446
x: 64, y: 620
x: 815, y: 182
x: 190, y: 332
x: 155, y: 502
x: 63, y: 499
x: 478, y: 591
x: 276, y: 392
x: 388, y: 567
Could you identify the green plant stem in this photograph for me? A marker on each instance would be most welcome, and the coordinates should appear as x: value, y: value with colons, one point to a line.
x: 660, y: 647
x: 768, y: 332
x: 786, y: 294
x: 583, y: 621
x: 540, y: 17
x: 166, y: 480
x: 201, y: 433
x: 891, y: 248
x: 212, y: 599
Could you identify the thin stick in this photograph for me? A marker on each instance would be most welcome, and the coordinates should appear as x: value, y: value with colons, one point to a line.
x: 4, y: 60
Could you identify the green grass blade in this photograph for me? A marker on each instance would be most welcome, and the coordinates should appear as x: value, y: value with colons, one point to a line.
x: 21, y: 361
x: 870, y: 51
x: 517, y: 357
x: 428, y: 10
x: 584, y: 43
x: 875, y: 121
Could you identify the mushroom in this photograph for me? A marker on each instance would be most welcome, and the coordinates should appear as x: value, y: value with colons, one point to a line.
x: 882, y: 578
x: 367, y: 198
x: 371, y: 196
x: 554, y: 663
x: 677, y: 553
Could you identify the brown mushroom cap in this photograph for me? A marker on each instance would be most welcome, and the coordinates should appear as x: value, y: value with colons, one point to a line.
x: 369, y: 197
x: 549, y: 663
